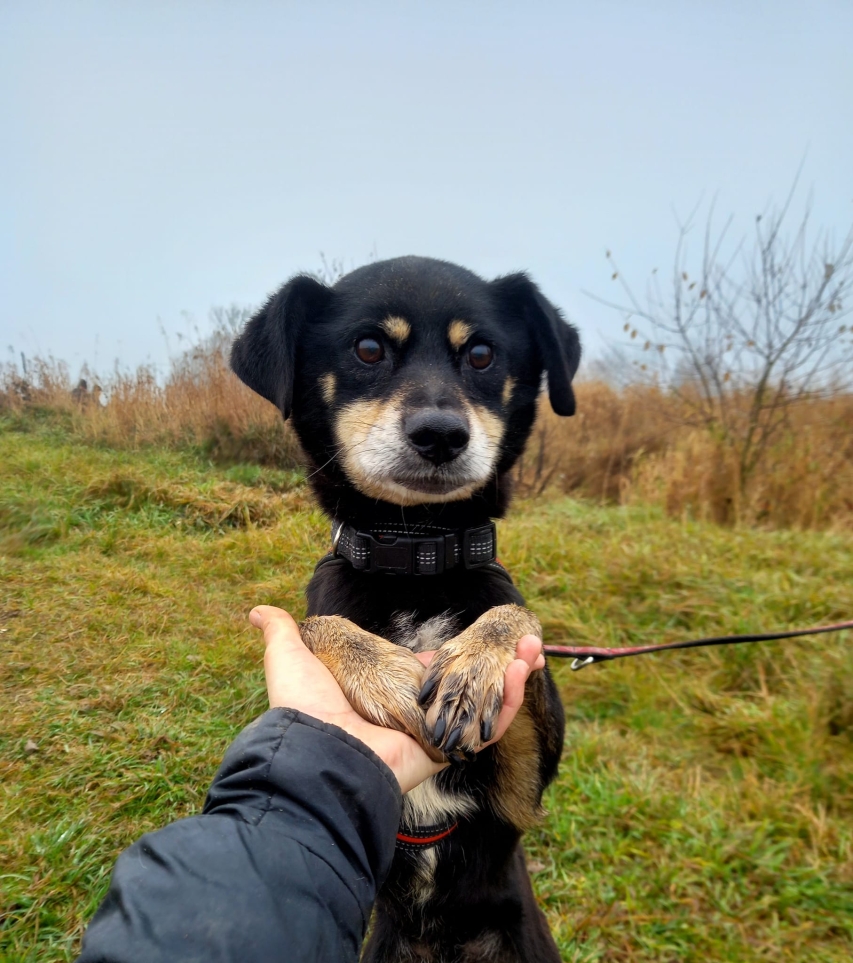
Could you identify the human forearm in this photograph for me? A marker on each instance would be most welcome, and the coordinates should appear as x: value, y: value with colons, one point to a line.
x: 298, y: 826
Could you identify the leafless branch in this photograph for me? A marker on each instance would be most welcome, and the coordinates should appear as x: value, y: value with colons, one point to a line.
x: 762, y: 325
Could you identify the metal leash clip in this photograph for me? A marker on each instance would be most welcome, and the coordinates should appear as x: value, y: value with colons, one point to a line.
x: 582, y: 663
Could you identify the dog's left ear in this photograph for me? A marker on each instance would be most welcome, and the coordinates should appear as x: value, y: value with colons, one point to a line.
x: 264, y: 355
x: 556, y: 340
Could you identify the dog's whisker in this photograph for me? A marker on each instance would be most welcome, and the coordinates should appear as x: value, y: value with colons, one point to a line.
x: 324, y: 465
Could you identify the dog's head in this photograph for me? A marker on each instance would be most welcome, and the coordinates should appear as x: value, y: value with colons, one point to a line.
x: 413, y: 380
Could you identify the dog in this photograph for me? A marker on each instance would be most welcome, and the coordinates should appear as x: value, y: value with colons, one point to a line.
x: 412, y: 385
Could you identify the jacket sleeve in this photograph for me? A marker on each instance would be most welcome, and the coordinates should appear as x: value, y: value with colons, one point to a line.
x: 296, y: 836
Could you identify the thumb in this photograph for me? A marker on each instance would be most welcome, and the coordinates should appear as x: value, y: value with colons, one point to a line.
x: 274, y: 622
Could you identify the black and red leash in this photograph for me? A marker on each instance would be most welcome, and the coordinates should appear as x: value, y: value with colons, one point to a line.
x: 585, y: 655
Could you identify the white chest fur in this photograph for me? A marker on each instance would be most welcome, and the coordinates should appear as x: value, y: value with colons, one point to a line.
x: 429, y: 805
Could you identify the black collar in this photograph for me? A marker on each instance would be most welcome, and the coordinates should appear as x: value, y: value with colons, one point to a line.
x: 416, y: 550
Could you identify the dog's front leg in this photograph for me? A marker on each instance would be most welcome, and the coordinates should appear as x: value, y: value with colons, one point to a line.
x: 380, y: 680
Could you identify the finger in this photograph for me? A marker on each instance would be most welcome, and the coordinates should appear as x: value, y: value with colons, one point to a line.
x: 295, y: 677
x: 262, y: 615
x: 529, y: 648
x: 280, y: 630
x: 425, y: 657
x: 515, y: 678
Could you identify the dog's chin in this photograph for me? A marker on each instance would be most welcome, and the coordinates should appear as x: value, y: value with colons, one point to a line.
x: 411, y: 489
x: 431, y: 486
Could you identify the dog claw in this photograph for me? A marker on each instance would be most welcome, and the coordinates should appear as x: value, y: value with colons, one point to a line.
x: 427, y: 691
x: 453, y: 739
x: 486, y: 730
x: 438, y: 731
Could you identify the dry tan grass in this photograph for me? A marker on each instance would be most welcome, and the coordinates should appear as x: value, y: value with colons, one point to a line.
x: 593, y: 453
x: 200, y: 403
x: 635, y: 445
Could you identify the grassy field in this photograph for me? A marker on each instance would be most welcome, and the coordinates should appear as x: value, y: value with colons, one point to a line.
x: 704, y: 809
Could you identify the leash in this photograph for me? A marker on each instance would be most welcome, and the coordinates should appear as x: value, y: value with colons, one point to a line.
x: 584, y: 655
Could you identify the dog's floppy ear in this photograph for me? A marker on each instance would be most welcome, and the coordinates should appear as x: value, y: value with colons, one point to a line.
x: 556, y: 340
x: 264, y: 354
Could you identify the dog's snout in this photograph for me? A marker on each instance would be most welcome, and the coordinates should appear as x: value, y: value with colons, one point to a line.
x: 437, y: 434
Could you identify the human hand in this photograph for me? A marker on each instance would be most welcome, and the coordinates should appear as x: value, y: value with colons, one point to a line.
x: 296, y: 679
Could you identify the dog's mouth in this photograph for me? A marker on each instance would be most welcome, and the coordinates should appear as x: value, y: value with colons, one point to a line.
x: 435, y: 484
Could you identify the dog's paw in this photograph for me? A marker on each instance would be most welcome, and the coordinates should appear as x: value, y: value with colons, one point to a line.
x: 464, y: 683
x: 380, y: 680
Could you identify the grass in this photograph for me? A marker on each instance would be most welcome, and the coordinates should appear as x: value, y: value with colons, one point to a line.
x: 704, y: 809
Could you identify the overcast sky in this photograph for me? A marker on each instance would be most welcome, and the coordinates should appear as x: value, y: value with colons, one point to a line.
x: 166, y: 157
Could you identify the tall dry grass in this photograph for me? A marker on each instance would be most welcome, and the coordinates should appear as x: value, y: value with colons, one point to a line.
x: 199, y: 403
x: 635, y: 445
x: 626, y: 445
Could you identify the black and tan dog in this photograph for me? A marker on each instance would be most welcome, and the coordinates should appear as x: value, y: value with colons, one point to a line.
x: 413, y: 384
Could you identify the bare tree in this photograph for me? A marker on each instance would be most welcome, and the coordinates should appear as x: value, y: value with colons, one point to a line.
x: 749, y: 333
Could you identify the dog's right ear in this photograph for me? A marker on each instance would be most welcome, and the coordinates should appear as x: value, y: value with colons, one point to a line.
x: 264, y: 355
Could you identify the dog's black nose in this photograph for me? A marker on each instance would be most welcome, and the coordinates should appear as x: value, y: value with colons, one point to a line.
x: 437, y: 434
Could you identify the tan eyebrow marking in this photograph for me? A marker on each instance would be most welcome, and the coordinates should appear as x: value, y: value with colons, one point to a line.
x: 328, y: 384
x: 397, y: 328
x: 509, y: 387
x: 458, y: 332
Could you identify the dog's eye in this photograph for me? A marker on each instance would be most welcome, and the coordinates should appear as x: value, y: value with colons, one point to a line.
x: 369, y: 350
x: 480, y: 356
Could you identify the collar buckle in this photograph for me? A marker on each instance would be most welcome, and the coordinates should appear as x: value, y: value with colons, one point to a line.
x: 404, y: 554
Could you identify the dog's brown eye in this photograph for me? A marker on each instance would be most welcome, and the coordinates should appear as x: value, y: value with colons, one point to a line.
x: 480, y: 356
x: 369, y: 350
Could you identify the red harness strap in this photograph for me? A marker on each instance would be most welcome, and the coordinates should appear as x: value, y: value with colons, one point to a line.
x: 428, y: 836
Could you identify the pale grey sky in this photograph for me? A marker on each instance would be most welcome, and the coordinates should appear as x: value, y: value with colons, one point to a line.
x: 165, y: 157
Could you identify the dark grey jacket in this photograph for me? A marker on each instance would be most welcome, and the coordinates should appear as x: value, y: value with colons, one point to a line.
x: 296, y: 836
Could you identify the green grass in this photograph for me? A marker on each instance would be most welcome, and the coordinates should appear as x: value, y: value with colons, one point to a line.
x: 704, y: 809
